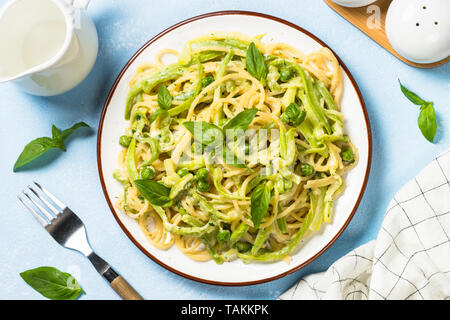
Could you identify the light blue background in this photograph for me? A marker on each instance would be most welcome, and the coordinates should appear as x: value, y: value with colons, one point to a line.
x: 399, y: 150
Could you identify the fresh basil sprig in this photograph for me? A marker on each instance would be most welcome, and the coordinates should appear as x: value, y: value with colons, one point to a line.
x: 39, y: 146
x: 255, y: 64
x: 164, y: 102
x: 52, y: 283
x: 427, y: 117
x: 259, y: 203
x: 156, y: 193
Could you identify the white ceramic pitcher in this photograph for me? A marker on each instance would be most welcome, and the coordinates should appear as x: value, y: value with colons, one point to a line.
x: 47, y: 47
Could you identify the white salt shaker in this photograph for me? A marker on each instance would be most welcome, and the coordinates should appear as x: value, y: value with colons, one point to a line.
x: 419, y: 30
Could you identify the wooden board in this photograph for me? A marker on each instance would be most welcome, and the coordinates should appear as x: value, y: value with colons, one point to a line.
x: 364, y: 19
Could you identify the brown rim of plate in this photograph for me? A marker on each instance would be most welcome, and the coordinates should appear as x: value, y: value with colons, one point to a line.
x: 113, y: 88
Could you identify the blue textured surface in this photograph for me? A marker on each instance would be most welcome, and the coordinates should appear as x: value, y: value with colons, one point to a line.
x: 399, y: 150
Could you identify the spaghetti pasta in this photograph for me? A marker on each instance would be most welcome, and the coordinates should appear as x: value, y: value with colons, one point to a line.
x: 253, y: 195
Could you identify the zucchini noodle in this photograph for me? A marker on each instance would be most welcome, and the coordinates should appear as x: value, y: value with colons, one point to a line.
x: 296, y: 151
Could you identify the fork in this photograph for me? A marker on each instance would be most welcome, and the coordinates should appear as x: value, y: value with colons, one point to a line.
x: 69, y: 231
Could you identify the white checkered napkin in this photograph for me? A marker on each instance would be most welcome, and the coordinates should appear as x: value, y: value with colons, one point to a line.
x: 410, y: 259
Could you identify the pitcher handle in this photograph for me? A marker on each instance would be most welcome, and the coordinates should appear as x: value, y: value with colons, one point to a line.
x: 79, y: 4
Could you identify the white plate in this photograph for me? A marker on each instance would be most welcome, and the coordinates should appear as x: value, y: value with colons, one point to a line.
x: 112, y: 125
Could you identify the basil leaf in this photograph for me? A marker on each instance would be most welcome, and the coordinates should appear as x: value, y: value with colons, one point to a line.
x: 52, y: 283
x: 206, y: 133
x: 427, y: 121
x: 33, y: 150
x: 155, y: 192
x: 259, y: 204
x: 39, y: 146
x: 255, y: 64
x: 427, y: 117
x: 242, y: 120
x: 164, y: 97
x: 414, y: 98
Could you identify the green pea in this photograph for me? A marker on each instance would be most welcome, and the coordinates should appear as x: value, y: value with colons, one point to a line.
x: 306, y: 169
x: 243, y: 246
x: 300, y: 148
x: 348, y: 155
x: 206, y: 81
x: 182, y: 172
x: 284, y: 185
x: 125, y: 141
x: 147, y: 173
x: 293, y: 115
x: 203, y: 186
x: 230, y: 86
x: 223, y: 236
x: 202, y: 174
x: 288, y: 184
x: 285, y: 74
x: 280, y: 186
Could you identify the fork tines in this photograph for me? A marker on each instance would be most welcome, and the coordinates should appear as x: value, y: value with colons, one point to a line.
x: 46, y: 211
